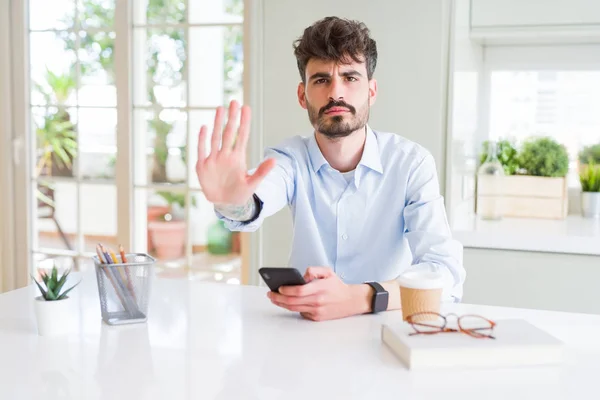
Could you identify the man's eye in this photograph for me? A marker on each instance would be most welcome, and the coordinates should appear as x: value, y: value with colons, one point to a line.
x: 322, y: 80
x: 352, y: 79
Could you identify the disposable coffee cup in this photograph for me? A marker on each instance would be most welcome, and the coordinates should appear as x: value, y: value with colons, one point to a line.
x: 421, y: 292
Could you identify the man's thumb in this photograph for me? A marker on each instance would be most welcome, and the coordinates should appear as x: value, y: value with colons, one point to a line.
x: 317, y: 273
x: 263, y: 169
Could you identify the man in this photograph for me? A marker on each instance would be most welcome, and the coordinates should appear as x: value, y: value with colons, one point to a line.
x: 355, y: 194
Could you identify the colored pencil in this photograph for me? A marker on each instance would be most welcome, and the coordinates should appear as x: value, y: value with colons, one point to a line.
x: 127, y: 272
x: 123, y: 259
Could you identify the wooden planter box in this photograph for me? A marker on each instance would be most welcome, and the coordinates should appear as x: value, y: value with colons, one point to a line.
x: 525, y: 196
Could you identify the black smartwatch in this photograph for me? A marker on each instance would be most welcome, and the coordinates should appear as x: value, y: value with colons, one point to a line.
x: 380, y: 298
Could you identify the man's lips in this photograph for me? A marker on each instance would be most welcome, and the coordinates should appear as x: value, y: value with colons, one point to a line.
x: 335, y: 110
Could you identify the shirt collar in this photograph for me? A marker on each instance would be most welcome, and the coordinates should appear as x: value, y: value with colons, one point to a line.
x: 316, y: 157
x: 371, y: 157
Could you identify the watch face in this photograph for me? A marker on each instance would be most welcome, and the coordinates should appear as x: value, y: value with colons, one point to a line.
x: 381, y: 302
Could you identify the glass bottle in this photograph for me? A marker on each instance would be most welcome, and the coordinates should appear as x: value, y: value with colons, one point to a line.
x: 489, y: 181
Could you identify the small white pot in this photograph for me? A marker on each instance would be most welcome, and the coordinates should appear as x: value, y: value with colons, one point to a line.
x: 590, y: 204
x: 53, y: 317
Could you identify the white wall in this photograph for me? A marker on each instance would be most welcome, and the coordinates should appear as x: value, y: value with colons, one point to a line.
x: 412, y: 43
x: 464, y: 122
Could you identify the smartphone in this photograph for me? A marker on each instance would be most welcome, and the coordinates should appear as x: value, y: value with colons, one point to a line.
x: 276, y: 277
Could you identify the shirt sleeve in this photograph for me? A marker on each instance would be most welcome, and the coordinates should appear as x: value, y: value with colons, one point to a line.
x: 428, y: 232
x: 274, y: 192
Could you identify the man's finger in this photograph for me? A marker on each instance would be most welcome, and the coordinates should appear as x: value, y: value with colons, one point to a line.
x: 309, y: 289
x: 216, y: 135
x: 244, y: 131
x: 263, y: 170
x: 229, y: 133
x: 310, y: 300
x: 313, y: 273
x: 297, y: 308
x: 202, y: 144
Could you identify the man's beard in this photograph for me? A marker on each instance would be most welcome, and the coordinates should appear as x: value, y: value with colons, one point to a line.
x: 337, y: 126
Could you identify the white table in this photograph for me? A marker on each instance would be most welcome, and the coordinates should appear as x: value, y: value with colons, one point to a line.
x: 212, y: 341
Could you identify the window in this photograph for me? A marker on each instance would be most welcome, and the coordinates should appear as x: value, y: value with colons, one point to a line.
x: 186, y: 58
x: 542, y: 93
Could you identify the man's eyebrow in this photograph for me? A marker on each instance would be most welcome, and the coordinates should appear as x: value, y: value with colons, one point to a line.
x: 351, y: 72
x: 317, y: 75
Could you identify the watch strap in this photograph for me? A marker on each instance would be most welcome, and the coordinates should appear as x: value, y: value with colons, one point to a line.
x: 379, y: 290
x: 376, y: 286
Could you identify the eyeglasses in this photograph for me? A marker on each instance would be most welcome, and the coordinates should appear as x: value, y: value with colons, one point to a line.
x: 430, y: 323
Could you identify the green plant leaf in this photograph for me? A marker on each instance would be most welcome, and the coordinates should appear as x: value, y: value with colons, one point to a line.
x: 590, y: 154
x: 39, y: 287
x: 507, y: 155
x: 589, y: 177
x: 61, y: 282
x: 50, y: 286
x: 62, y: 156
x: 64, y: 295
x: 544, y: 156
x: 45, y: 277
x: 50, y: 295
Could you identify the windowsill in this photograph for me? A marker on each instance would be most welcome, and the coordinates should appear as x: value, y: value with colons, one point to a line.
x: 573, y: 235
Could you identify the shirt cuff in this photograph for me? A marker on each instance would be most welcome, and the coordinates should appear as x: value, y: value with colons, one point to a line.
x: 246, y: 226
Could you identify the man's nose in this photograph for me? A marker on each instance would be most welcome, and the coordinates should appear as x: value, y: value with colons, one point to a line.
x: 336, y: 90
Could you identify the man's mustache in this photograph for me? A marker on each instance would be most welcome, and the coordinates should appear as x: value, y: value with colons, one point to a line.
x: 339, y: 103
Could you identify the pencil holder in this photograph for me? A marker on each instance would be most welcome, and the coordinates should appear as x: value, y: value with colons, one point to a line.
x: 124, y: 288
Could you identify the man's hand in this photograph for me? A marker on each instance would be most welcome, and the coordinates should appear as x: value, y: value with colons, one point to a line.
x: 223, y: 174
x: 324, y: 296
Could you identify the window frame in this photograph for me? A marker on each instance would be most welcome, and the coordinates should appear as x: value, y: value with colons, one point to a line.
x: 21, y: 234
x: 564, y: 57
x: 581, y: 57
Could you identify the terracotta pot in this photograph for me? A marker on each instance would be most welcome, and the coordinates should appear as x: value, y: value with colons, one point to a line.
x: 168, y: 238
x: 153, y: 213
x: 236, y: 243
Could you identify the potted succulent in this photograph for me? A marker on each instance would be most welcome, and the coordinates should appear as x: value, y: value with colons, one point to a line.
x: 590, y: 187
x: 52, y: 307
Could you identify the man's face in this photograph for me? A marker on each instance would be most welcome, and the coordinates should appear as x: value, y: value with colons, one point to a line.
x: 337, y: 96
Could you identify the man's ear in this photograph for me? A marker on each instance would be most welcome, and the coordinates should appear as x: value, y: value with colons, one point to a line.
x: 302, y: 95
x: 372, y: 91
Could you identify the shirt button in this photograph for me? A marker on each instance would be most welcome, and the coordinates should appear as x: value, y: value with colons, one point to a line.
x: 344, y: 236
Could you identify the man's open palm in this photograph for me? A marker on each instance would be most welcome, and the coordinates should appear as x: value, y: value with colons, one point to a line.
x: 223, y: 175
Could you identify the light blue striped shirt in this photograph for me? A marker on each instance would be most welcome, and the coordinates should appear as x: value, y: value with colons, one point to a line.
x: 362, y: 226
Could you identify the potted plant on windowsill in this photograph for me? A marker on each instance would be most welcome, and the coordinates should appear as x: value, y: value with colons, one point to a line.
x: 538, y: 189
x: 590, y: 186
x: 53, y: 306
x: 168, y: 230
x: 589, y: 155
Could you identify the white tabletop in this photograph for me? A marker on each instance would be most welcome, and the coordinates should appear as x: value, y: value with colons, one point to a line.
x: 216, y: 341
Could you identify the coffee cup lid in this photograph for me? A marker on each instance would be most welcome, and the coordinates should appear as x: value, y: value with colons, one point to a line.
x: 421, y: 280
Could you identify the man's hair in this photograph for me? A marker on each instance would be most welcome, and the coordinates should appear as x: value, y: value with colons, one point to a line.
x: 336, y: 39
